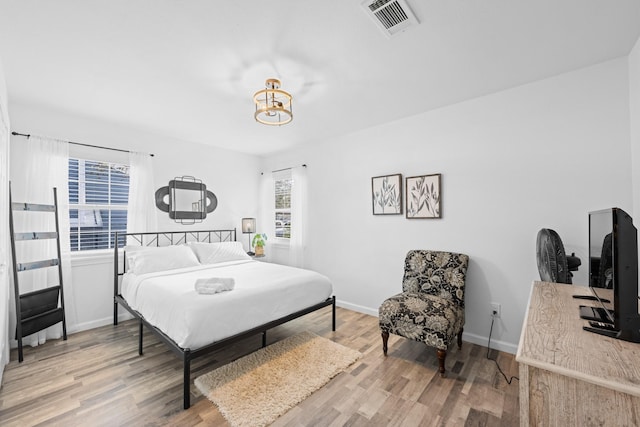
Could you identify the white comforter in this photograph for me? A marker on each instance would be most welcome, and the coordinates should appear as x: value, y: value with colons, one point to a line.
x: 263, y: 292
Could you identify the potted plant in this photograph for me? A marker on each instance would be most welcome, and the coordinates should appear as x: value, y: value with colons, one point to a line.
x: 258, y: 243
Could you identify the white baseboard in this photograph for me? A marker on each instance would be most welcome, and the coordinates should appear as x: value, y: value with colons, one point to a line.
x: 98, y: 323
x: 358, y: 308
x: 480, y: 340
x: 72, y: 329
x: 472, y: 338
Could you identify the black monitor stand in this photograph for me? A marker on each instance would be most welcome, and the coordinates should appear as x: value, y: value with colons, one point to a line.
x: 595, y: 313
x: 591, y: 298
x: 630, y: 330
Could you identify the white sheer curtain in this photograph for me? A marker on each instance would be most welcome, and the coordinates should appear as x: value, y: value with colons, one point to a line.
x: 266, y: 218
x: 5, y: 254
x: 39, y: 165
x: 298, y: 216
x: 141, y: 213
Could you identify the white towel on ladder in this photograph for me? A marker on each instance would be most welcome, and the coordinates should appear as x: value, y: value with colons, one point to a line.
x: 213, y: 285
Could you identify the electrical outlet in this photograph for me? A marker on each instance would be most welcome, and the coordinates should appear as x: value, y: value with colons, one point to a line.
x: 495, y: 310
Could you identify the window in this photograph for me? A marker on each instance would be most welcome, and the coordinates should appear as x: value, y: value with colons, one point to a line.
x: 282, y: 183
x: 98, y: 197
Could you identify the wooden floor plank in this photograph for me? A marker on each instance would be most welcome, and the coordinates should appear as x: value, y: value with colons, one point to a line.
x: 97, y: 378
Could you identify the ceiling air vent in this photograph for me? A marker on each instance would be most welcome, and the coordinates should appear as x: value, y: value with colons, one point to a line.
x: 391, y: 16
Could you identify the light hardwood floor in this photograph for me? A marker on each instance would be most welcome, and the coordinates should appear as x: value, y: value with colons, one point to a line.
x: 96, y: 378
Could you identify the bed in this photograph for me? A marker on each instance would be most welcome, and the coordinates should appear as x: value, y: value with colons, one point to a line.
x: 154, y: 278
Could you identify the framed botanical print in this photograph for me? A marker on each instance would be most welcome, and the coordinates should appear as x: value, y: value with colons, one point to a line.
x: 386, y: 194
x: 423, y: 196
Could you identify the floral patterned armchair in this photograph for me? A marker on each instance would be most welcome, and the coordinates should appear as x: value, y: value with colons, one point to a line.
x: 430, y: 308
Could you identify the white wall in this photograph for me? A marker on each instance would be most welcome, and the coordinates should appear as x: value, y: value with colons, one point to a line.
x: 233, y: 177
x: 5, y: 254
x: 634, y: 114
x: 634, y: 122
x: 538, y: 155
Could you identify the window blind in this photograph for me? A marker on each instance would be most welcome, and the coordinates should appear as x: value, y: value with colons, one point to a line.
x: 282, y: 187
x: 98, y: 199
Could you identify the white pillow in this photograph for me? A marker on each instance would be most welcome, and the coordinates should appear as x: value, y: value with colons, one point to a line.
x: 151, y: 259
x: 211, y: 253
x: 129, y: 250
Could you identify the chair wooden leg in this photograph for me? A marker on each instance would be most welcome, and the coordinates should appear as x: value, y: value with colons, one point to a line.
x: 385, y: 340
x: 460, y: 339
x: 442, y: 354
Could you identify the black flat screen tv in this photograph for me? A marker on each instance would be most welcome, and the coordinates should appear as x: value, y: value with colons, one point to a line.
x: 613, y: 274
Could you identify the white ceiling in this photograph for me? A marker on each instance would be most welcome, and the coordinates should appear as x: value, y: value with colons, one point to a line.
x: 188, y: 68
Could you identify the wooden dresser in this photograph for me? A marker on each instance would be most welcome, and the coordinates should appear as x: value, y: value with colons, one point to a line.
x: 571, y: 377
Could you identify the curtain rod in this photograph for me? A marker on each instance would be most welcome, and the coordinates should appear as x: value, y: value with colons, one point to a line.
x: 286, y: 169
x: 79, y: 143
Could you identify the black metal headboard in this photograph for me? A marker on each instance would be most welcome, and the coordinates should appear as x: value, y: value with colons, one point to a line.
x: 163, y: 238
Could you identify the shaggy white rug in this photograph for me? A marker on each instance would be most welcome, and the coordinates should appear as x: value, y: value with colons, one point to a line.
x: 258, y: 388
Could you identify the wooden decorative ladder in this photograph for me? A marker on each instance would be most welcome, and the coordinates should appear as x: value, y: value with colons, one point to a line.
x: 36, y: 310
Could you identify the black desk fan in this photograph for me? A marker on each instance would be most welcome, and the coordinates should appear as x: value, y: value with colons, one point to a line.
x: 553, y: 263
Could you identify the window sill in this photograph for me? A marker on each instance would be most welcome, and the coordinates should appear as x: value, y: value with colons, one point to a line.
x: 280, y: 243
x: 100, y: 256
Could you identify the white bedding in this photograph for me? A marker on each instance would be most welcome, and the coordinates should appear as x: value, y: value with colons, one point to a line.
x: 263, y: 292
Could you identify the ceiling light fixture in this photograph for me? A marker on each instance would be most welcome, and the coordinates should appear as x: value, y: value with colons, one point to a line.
x: 273, y: 105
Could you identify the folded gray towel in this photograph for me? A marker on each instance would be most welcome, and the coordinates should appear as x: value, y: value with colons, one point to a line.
x: 213, y: 285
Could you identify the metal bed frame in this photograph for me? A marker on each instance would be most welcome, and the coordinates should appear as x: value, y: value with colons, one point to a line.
x: 187, y: 354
